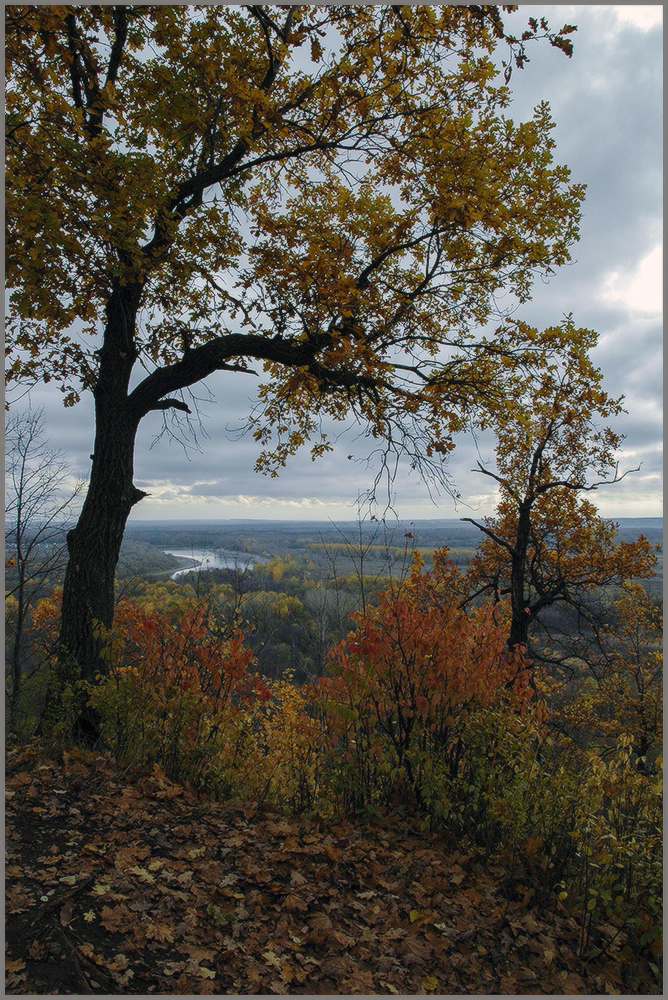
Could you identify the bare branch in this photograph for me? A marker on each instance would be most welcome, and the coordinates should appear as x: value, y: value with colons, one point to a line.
x: 492, y: 534
x: 172, y: 404
x: 582, y: 487
x: 481, y: 468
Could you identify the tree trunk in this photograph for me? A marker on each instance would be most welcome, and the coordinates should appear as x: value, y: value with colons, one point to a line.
x: 519, y: 627
x: 94, y: 544
x: 17, y: 665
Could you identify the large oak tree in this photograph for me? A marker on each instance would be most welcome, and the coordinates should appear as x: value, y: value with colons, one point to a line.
x: 332, y: 193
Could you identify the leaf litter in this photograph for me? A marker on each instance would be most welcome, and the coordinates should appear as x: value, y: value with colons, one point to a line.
x: 131, y: 884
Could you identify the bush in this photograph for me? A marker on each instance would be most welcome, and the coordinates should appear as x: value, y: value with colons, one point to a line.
x: 176, y: 693
x: 286, y: 761
x: 616, y: 874
x: 423, y: 710
x: 403, y: 691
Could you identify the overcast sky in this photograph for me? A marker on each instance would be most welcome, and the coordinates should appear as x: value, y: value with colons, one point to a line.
x: 606, y: 101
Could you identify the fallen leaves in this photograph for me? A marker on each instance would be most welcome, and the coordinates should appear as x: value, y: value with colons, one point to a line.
x: 142, y: 874
x: 114, y: 918
x: 66, y: 913
x: 294, y: 904
x: 181, y: 896
x: 160, y: 932
x: 572, y: 984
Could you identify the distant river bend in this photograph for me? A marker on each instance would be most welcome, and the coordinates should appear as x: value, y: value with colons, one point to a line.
x: 205, y: 559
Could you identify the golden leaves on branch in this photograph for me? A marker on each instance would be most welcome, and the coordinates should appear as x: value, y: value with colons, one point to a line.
x: 189, y: 144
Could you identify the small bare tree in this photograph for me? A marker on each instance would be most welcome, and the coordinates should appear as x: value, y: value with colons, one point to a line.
x: 38, y: 508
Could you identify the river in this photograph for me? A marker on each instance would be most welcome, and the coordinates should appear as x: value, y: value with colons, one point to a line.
x: 205, y: 559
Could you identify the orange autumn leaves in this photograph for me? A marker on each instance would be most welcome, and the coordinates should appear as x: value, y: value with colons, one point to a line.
x: 419, y: 693
x: 181, y: 690
x: 184, y: 649
x: 418, y: 664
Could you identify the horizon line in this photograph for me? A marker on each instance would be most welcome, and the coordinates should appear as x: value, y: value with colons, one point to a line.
x: 146, y: 520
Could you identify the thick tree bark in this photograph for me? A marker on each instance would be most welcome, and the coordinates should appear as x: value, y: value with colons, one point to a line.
x: 94, y: 544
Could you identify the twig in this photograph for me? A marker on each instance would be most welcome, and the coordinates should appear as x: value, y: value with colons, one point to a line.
x: 82, y: 979
x: 54, y: 903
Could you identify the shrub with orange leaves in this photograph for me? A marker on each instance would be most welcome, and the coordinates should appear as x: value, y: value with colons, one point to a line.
x: 176, y: 690
x: 406, y: 684
x: 185, y: 647
x: 45, y: 619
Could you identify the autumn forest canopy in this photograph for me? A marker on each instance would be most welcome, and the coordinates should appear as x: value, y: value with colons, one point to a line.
x: 327, y: 202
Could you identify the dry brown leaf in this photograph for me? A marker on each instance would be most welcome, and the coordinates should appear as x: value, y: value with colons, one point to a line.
x: 293, y: 904
x: 142, y: 874
x: 160, y: 932
x: 573, y: 985
x: 171, y: 968
x: 118, y: 964
x: 332, y: 853
x: 36, y: 950
x: 172, y: 791
x: 19, y: 780
x: 271, y: 958
x: 199, y: 954
x: 114, y: 918
x: 126, y: 856
x: 336, y: 966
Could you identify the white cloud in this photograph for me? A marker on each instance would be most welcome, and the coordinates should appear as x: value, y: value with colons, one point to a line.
x: 638, y: 15
x: 643, y: 16
x: 158, y: 493
x: 612, y: 19
x: 640, y: 290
